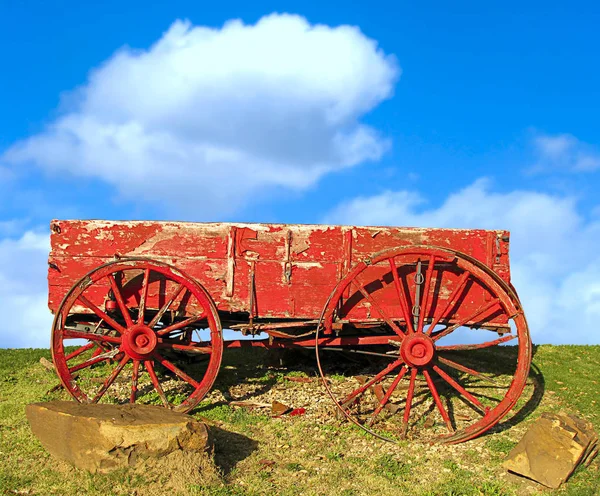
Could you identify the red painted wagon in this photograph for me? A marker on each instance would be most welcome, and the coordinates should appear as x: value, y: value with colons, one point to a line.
x: 427, y: 306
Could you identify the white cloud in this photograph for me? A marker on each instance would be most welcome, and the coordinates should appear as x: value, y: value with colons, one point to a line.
x: 555, y: 262
x: 219, y: 115
x: 565, y: 151
x: 26, y: 320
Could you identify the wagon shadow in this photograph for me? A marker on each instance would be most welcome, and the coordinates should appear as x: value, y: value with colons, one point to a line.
x: 241, y: 368
x: 263, y: 369
x: 258, y: 370
x: 533, y: 399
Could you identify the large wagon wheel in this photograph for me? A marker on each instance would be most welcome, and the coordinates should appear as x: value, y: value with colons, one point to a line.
x: 142, y: 321
x: 436, y: 306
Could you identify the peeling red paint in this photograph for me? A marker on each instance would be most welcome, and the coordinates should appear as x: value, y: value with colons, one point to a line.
x: 312, y: 257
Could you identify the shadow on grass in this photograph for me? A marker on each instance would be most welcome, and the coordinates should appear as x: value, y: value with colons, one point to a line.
x: 231, y: 448
x: 264, y: 368
x: 260, y: 367
x: 537, y: 379
x: 499, y: 362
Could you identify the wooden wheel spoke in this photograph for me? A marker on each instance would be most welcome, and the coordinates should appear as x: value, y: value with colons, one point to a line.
x: 438, y: 400
x: 134, y: 381
x: 177, y: 371
x: 457, y: 366
x: 425, y: 299
x: 459, y: 388
x: 487, y: 344
x: 409, y: 399
x: 450, y: 302
x: 375, y: 305
x: 494, y: 304
x: 181, y: 325
x: 155, y: 382
x: 101, y: 314
x: 143, y: 296
x: 387, y: 395
x: 79, y: 351
x: 174, y: 294
x: 71, y: 333
x: 119, y: 297
x: 96, y: 358
x: 404, y: 306
x: 110, y: 379
x: 394, y: 365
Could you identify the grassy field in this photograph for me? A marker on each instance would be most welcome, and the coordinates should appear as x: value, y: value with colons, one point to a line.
x: 256, y: 454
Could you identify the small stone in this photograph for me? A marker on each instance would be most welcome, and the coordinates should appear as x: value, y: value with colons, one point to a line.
x: 429, y: 422
x: 552, y: 448
x: 47, y: 364
x: 266, y: 462
x: 101, y: 438
x: 278, y: 408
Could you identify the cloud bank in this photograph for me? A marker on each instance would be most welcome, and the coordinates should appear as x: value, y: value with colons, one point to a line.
x: 564, y: 152
x: 23, y: 291
x: 217, y: 115
x: 555, y: 262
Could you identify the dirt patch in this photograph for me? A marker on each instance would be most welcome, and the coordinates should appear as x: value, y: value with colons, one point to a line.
x: 176, y: 472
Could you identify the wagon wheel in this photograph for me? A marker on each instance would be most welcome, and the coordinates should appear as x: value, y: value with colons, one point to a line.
x: 142, y: 322
x: 433, y: 308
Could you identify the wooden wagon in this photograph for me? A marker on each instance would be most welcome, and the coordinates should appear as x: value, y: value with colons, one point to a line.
x: 426, y: 306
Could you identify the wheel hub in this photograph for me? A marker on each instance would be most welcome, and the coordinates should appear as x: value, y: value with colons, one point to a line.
x: 417, y: 350
x: 139, y: 342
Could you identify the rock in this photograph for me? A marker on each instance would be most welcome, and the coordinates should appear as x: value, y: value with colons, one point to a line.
x: 552, y: 448
x: 101, y: 438
x: 265, y: 463
x: 278, y: 408
x: 47, y: 364
x: 304, y: 380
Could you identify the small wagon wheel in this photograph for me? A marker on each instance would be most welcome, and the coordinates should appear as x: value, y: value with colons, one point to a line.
x: 143, y: 321
x: 433, y: 308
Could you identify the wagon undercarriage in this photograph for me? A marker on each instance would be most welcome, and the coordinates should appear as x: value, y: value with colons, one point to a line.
x: 402, y: 337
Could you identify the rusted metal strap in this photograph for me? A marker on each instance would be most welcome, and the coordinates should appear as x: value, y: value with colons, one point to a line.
x: 253, y: 308
x: 288, y: 257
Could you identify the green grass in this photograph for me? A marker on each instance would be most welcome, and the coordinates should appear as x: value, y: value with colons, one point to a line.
x: 500, y: 446
x: 257, y: 455
x: 390, y: 467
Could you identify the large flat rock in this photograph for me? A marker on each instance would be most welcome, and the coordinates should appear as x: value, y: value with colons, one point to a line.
x: 552, y: 448
x: 100, y: 438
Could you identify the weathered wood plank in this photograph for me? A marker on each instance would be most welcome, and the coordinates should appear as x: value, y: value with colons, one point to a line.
x: 296, y: 266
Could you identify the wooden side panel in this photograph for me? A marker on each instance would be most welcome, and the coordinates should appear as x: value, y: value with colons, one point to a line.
x: 158, y: 239
x: 291, y: 269
x: 368, y: 241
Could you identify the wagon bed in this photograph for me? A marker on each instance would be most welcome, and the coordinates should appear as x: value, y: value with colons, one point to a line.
x: 294, y: 267
x: 136, y: 291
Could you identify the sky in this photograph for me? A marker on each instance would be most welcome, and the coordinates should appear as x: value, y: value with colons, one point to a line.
x: 432, y: 114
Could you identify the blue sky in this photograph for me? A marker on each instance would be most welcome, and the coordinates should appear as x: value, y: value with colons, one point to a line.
x: 459, y: 114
